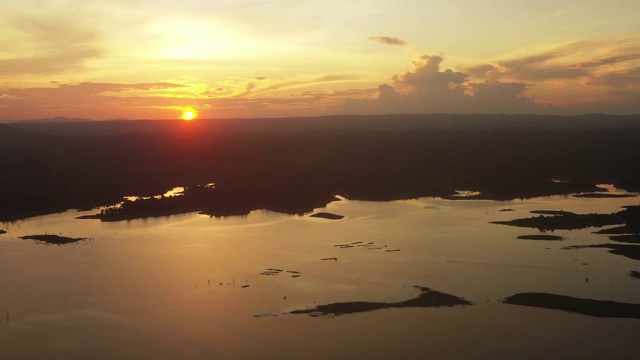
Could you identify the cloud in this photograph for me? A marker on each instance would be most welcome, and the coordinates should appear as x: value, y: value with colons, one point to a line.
x: 388, y: 40
x: 90, y: 100
x: 285, y: 85
x: 582, y: 59
x: 600, y: 75
x: 576, y: 77
x: 46, y: 43
x: 625, y: 79
x: 426, y: 75
x: 558, y: 13
x: 428, y: 89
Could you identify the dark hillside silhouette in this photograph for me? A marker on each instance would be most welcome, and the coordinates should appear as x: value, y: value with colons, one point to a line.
x: 294, y: 165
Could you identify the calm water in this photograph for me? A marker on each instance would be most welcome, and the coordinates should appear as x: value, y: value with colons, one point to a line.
x: 190, y: 286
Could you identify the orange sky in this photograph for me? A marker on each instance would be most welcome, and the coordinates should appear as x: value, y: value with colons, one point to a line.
x: 156, y: 59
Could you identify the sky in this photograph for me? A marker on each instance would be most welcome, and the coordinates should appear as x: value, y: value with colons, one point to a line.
x: 158, y: 59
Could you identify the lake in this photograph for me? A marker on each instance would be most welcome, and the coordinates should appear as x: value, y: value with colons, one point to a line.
x: 197, y: 287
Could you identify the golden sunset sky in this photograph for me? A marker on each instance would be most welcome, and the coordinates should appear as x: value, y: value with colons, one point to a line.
x: 156, y: 59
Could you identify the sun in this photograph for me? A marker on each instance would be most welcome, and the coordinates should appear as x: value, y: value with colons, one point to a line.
x: 189, y: 115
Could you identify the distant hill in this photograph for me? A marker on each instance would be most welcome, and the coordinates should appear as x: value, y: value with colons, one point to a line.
x: 430, y: 122
x: 6, y: 129
x: 58, y: 119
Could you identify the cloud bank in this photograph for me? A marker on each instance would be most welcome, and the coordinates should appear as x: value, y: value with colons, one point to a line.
x: 575, y: 78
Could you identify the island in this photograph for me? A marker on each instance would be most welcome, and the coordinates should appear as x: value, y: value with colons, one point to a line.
x: 427, y: 298
x: 52, y: 239
x: 544, y: 237
x: 326, y: 215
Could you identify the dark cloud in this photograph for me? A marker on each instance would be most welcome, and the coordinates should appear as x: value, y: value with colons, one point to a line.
x: 388, y: 40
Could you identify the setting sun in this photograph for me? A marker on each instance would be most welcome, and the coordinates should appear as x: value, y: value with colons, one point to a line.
x: 189, y: 115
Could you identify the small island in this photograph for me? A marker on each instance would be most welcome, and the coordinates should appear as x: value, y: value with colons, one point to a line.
x: 628, y: 238
x: 552, y: 212
x: 427, y: 298
x: 549, y: 220
x: 52, y: 239
x: 541, y: 237
x: 326, y: 215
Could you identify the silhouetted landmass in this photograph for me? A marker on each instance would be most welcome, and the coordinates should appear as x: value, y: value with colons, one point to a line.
x: 597, y: 308
x: 635, y: 274
x: 541, y: 237
x: 427, y: 298
x: 326, y: 215
x: 570, y: 221
x: 297, y: 164
x: 2, y: 232
x: 629, y: 238
x: 58, y: 119
x: 630, y: 251
x: 218, y: 202
x: 626, y: 229
x: 564, y: 222
x: 604, y: 195
x: 52, y: 239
